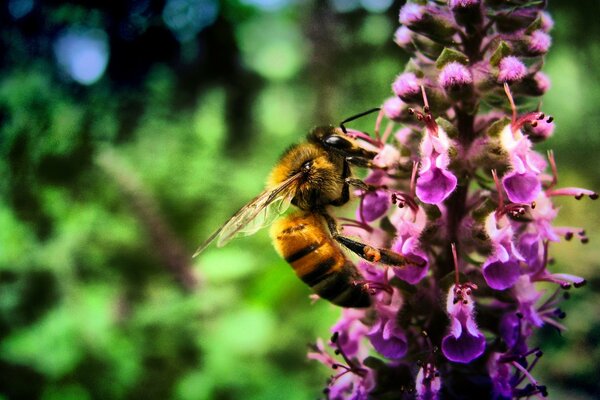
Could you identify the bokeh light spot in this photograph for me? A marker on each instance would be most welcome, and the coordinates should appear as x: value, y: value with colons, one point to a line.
x: 376, y: 6
x: 83, y: 54
x: 185, y: 18
x: 19, y: 8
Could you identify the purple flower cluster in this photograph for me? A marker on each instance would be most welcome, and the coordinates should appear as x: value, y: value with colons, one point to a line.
x: 458, y: 189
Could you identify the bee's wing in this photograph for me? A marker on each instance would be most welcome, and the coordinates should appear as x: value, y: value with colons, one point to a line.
x: 257, y: 214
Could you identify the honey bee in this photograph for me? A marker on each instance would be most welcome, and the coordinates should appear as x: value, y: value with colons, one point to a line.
x: 313, y: 176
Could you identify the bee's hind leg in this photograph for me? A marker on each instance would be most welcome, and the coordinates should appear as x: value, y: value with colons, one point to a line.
x: 366, y: 252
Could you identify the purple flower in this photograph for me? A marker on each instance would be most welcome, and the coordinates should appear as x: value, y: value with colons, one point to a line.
x: 411, y: 273
x: 373, y: 206
x: 511, y: 69
x: 521, y: 187
x: 403, y: 38
x: 411, y: 13
x: 501, y: 269
x: 542, y: 81
x: 455, y: 75
x: 457, y: 4
x: 464, y: 342
x: 407, y: 86
x: 501, y: 375
x: 428, y: 383
x: 393, y: 108
x: 539, y: 42
x: 388, y: 339
x: 415, y: 218
x: 435, y: 182
x: 522, y: 184
x: 547, y: 21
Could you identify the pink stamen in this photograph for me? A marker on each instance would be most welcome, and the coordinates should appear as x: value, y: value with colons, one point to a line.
x: 499, y: 190
x: 578, y: 193
x: 413, y: 179
x: 387, y: 133
x: 455, y: 257
x: 513, y: 107
x: 378, y: 125
x: 356, y: 134
x: 552, y: 162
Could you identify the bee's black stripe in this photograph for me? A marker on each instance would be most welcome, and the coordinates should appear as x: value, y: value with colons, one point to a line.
x: 292, y: 229
x: 353, y: 296
x: 333, y: 286
x: 302, y: 252
x: 319, y: 273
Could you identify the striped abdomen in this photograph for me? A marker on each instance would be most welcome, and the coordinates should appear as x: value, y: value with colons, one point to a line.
x: 303, y: 241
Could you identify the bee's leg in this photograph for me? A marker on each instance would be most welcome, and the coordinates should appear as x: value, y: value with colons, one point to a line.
x: 366, y: 252
x: 363, y: 162
x: 358, y: 183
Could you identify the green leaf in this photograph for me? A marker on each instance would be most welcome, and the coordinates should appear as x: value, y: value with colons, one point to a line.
x: 501, y: 51
x: 447, y: 126
x: 497, y: 127
x: 450, y: 55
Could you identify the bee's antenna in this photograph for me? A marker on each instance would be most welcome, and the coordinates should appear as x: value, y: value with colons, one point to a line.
x: 357, y: 116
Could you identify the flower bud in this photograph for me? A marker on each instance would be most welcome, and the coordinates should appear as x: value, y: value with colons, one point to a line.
x: 511, y: 69
x: 535, y: 85
x: 517, y: 19
x: 537, y: 44
x: 407, y: 87
x: 466, y: 12
x: 455, y: 75
x: 547, y: 21
x: 403, y: 38
x: 429, y: 21
x: 395, y: 109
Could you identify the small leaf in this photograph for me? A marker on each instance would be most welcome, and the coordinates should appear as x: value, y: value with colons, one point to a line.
x: 535, y: 25
x: 412, y: 66
x: 374, y: 363
x: 497, y: 127
x: 448, y: 127
x: 450, y: 55
x: 501, y: 51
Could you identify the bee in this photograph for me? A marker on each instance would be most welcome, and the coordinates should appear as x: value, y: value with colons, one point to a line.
x: 313, y: 175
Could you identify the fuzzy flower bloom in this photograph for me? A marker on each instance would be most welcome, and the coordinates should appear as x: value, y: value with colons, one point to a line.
x: 411, y: 13
x: 458, y: 4
x: 539, y: 42
x: 454, y: 75
x: 457, y: 189
x: 393, y: 108
x: 406, y: 86
x: 511, y: 70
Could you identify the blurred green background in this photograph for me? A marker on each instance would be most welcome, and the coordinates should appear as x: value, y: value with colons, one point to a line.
x: 129, y: 130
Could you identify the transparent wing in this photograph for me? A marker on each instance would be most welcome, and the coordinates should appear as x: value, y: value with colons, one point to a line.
x: 257, y: 214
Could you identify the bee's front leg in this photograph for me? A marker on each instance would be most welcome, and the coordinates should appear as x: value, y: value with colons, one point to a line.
x: 366, y: 252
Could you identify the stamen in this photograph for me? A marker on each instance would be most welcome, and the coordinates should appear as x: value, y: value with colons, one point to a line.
x: 455, y: 256
x: 513, y: 107
x: 371, y: 287
x: 356, y: 224
x: 351, y: 366
x: 387, y: 133
x: 413, y: 179
x: 500, y: 192
x: 378, y: 125
x: 425, y: 116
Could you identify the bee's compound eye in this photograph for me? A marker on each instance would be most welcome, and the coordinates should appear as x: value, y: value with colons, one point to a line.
x: 338, y: 142
x: 307, y: 166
